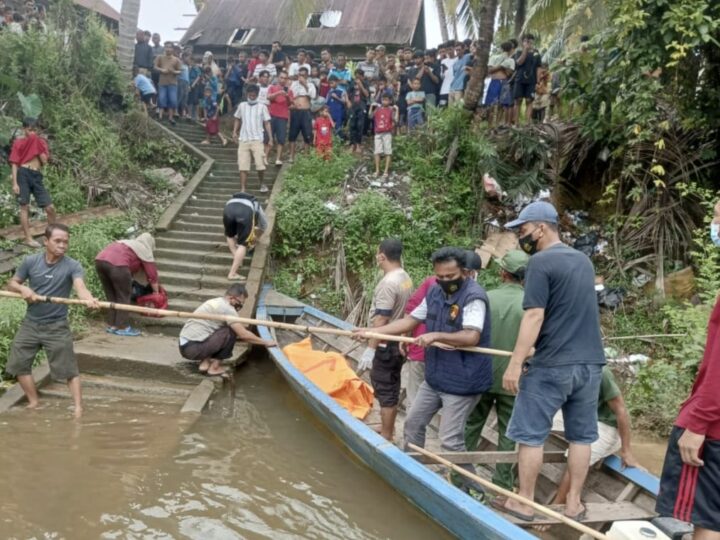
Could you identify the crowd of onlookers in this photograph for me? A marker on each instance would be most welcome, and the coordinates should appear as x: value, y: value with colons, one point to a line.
x: 321, y: 95
x: 21, y: 20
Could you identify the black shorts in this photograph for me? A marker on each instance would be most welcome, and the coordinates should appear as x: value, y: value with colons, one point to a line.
x: 688, y: 493
x: 237, y: 221
x: 524, y: 90
x: 31, y: 182
x: 385, y: 374
x: 279, y: 129
x: 301, y: 121
x: 147, y: 98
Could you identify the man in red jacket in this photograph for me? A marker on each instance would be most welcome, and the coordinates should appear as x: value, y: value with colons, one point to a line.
x: 690, y: 482
x: 28, y: 156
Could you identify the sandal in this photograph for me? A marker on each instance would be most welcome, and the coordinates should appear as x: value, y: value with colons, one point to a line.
x: 128, y: 332
x: 582, y: 514
x: 498, y: 503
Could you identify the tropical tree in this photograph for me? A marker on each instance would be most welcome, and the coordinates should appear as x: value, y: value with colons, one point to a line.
x: 442, y: 19
x: 483, y: 12
x: 129, y: 15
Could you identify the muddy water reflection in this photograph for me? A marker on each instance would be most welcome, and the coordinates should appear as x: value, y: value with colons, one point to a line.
x: 256, y: 467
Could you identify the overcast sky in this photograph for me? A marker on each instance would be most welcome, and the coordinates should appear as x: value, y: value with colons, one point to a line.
x: 167, y: 15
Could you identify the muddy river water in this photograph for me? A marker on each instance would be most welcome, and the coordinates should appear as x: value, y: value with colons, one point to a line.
x: 256, y: 466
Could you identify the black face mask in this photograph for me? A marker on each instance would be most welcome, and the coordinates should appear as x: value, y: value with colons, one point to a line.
x: 451, y: 286
x: 528, y: 244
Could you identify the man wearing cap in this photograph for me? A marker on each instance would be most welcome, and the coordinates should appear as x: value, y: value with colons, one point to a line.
x: 506, y: 312
x: 562, y: 322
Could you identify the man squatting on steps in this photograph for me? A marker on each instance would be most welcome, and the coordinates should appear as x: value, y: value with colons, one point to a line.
x: 211, y: 342
x: 243, y: 220
x: 49, y: 273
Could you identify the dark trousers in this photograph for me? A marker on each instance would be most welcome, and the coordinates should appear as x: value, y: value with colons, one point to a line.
x: 117, y: 284
x: 356, y: 125
x: 219, y: 346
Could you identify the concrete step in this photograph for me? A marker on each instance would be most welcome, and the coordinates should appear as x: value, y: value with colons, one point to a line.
x: 198, y: 242
x: 198, y: 294
x: 218, y: 256
x: 220, y: 200
x: 198, y: 268
x: 201, y: 226
x: 209, y: 218
x: 198, y: 281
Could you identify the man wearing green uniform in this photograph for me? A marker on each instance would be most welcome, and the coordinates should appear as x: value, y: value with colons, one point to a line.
x: 506, y: 312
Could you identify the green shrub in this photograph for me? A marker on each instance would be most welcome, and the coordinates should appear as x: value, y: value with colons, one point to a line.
x: 300, y: 223
x: 11, y: 315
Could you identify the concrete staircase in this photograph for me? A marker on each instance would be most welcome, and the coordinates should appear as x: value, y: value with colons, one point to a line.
x: 192, y: 255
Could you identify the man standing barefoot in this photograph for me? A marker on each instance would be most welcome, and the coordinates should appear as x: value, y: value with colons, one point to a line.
x: 50, y: 273
x: 28, y: 156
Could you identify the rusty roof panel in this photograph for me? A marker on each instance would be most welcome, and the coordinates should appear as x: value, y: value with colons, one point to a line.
x: 363, y: 22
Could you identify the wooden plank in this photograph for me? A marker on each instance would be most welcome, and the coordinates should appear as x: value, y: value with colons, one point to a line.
x: 487, y: 457
x: 15, y: 395
x: 198, y: 398
x: 596, y: 513
x: 38, y: 228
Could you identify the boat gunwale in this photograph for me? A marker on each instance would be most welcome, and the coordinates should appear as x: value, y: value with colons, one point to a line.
x: 477, y: 517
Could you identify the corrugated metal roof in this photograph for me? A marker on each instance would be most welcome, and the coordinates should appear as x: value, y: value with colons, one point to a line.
x: 100, y: 7
x: 363, y: 22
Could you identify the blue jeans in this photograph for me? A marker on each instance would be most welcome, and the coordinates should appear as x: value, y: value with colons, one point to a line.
x: 416, y: 117
x: 168, y: 96
x: 544, y: 390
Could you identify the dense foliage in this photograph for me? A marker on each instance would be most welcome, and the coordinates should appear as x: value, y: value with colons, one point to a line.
x: 98, y: 150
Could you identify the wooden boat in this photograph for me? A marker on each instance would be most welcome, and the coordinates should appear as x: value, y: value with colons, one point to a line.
x: 611, y: 494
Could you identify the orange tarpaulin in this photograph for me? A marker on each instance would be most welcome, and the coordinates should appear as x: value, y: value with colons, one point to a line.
x: 331, y: 373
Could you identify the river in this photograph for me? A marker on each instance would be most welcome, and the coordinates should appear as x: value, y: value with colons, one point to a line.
x: 255, y: 466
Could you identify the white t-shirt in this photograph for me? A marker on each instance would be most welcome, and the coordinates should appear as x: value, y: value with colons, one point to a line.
x: 263, y: 94
x: 448, y: 64
x: 201, y: 329
x: 253, y: 118
x: 294, y: 69
x: 298, y: 90
x: 473, y: 314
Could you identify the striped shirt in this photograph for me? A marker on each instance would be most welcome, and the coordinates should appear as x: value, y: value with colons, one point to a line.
x: 270, y: 68
x: 252, y: 118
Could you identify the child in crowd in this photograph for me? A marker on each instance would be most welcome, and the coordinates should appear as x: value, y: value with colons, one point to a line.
x: 337, y: 103
x: 542, y: 94
x: 210, y: 80
x: 415, y: 99
x: 359, y: 95
x: 323, y: 130
x: 196, y: 90
x: 315, y: 77
x: 385, y: 116
x: 145, y: 88
x: 212, y: 118
x: 324, y: 87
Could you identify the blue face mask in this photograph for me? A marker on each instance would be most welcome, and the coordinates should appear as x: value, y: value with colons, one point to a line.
x: 714, y: 236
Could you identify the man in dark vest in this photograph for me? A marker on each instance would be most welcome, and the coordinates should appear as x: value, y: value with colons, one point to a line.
x: 456, y: 313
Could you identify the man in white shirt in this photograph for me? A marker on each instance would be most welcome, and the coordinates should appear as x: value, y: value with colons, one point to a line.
x: 455, y: 311
x: 446, y: 69
x: 210, y: 342
x: 252, y: 121
x: 294, y: 70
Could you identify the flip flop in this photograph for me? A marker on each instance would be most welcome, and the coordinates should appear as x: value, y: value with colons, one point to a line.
x: 223, y: 373
x: 582, y: 514
x: 499, y: 504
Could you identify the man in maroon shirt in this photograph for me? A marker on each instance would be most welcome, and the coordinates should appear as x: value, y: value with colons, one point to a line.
x: 28, y: 156
x: 690, y: 482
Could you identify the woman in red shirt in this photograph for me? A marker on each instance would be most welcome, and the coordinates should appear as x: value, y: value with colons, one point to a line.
x: 116, y: 266
x: 324, y: 127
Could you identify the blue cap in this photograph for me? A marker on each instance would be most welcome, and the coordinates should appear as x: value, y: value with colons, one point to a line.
x: 537, y: 211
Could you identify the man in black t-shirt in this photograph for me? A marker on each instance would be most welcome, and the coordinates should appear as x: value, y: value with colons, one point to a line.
x: 527, y: 63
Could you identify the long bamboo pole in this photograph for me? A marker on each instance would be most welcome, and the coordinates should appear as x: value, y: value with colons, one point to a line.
x: 511, y: 495
x: 252, y: 322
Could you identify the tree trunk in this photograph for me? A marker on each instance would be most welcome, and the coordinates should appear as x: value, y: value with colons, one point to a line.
x: 129, y: 15
x: 442, y: 19
x: 520, y: 13
x: 486, y: 32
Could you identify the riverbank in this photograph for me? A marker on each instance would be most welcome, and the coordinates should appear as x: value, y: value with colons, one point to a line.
x: 332, y: 215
